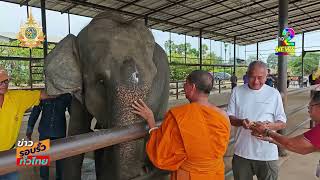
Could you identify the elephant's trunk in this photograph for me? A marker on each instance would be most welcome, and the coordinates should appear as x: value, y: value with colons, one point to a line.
x: 131, y: 154
x: 124, y: 98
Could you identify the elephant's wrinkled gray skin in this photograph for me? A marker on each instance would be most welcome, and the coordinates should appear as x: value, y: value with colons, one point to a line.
x: 110, y: 64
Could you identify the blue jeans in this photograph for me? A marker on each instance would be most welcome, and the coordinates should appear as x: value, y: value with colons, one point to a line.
x: 44, y: 170
x: 10, y: 176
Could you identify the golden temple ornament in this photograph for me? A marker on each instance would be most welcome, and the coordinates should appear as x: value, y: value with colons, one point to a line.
x: 30, y: 34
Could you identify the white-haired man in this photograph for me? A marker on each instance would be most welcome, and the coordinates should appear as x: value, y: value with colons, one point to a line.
x: 250, y: 103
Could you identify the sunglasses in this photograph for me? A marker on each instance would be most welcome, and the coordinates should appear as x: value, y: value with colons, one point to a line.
x: 5, y: 82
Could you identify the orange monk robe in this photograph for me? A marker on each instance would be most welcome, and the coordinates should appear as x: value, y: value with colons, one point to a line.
x: 191, y: 143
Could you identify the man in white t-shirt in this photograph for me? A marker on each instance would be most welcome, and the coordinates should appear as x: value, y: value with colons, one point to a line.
x: 251, y: 103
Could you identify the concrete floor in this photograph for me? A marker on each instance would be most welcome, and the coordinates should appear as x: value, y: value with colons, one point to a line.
x: 293, y: 167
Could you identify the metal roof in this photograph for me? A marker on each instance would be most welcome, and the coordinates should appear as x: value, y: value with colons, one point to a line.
x: 250, y: 21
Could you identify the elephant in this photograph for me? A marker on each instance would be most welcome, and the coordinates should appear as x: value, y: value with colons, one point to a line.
x: 110, y: 64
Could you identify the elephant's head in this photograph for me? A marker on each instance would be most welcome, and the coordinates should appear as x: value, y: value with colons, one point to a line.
x: 111, y: 61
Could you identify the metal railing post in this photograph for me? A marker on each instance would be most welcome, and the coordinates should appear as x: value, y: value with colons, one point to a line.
x: 311, y: 124
x: 177, y: 90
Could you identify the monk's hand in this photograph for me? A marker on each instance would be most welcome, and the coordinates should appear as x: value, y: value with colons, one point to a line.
x: 246, y: 123
x: 141, y: 109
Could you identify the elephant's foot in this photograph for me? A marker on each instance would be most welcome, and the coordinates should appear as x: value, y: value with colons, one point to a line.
x: 72, y: 167
x: 154, y: 175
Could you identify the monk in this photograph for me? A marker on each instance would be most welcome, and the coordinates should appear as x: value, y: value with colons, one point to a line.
x: 193, y: 138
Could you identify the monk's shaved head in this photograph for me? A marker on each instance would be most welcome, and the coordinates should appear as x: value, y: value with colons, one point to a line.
x: 202, y: 80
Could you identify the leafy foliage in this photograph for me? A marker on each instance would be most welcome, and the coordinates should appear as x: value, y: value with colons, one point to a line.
x: 272, y: 61
x: 185, y: 54
x: 311, y: 62
x: 19, y: 70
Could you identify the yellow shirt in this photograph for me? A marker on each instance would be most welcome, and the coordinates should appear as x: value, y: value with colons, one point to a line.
x: 15, y: 103
x: 314, y: 77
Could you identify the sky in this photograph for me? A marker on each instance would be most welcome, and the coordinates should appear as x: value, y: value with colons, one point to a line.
x: 12, y: 15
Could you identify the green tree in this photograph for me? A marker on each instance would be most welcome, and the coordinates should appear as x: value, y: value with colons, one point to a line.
x: 205, y: 49
x: 178, y: 54
x: 272, y: 61
x: 311, y: 62
x: 19, y: 70
x: 178, y: 72
x: 240, y: 71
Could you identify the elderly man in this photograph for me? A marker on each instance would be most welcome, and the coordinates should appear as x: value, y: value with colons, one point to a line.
x: 13, y: 104
x: 303, y: 144
x: 193, y: 137
x: 250, y: 103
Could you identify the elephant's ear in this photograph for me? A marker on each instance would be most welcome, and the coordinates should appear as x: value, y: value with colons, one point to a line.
x: 62, y: 68
x: 160, y: 85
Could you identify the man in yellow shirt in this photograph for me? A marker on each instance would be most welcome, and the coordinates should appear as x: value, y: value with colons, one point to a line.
x: 13, y: 104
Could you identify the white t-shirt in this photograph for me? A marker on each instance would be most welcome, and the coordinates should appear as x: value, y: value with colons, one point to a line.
x: 264, y: 104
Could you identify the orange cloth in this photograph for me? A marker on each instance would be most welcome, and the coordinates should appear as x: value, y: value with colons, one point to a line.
x: 191, y: 143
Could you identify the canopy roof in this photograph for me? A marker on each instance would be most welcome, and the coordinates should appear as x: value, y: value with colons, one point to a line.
x: 250, y: 21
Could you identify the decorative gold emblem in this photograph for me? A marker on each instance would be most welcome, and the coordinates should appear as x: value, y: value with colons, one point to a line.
x: 30, y: 34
